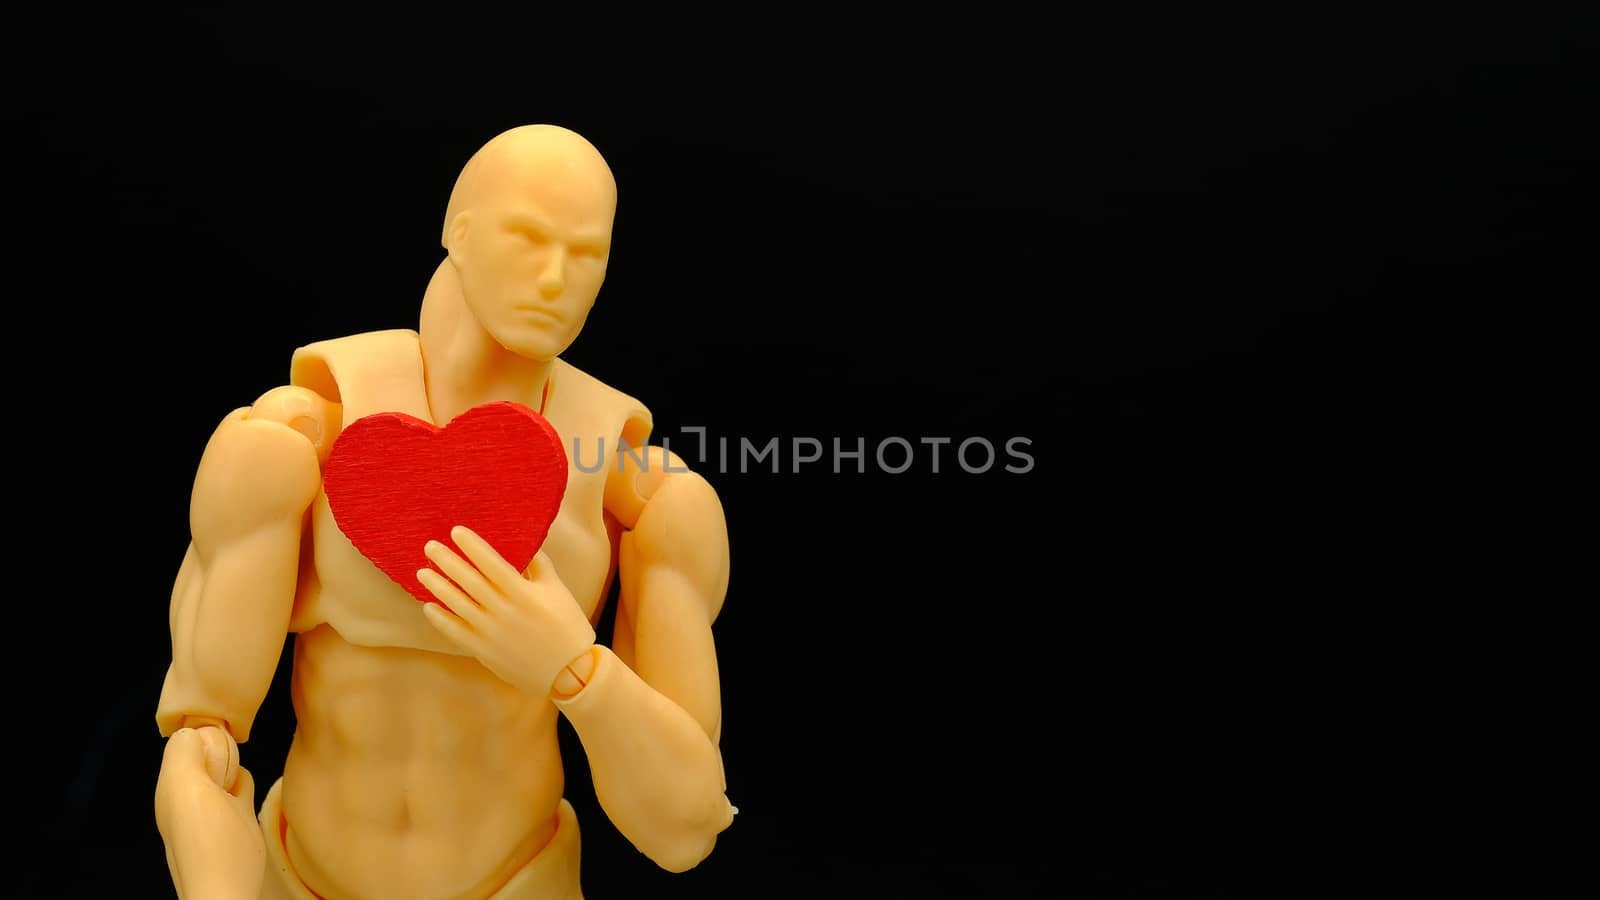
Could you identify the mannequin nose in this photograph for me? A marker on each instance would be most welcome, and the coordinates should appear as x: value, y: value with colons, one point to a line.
x: 550, y: 281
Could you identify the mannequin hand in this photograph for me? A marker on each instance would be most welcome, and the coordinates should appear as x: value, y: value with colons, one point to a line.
x: 205, y: 810
x: 524, y: 629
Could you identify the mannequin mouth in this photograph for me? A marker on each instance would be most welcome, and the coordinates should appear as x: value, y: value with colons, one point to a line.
x: 539, y: 312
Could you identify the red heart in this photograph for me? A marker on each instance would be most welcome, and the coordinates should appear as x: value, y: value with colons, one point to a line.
x: 395, y: 482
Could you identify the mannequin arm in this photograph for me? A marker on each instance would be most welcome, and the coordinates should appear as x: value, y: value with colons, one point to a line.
x: 651, y: 725
x: 229, y: 618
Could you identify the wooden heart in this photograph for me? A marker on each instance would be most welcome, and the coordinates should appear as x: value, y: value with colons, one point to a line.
x: 395, y: 482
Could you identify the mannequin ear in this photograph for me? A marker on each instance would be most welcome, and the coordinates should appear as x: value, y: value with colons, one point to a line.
x: 457, y: 237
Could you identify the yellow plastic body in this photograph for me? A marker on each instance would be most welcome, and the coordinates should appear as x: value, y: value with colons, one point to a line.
x: 425, y: 761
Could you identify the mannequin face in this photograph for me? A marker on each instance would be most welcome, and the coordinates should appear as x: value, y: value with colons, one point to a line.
x: 532, y: 252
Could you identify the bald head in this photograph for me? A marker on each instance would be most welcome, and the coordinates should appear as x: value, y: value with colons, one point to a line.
x: 528, y: 230
x: 548, y: 158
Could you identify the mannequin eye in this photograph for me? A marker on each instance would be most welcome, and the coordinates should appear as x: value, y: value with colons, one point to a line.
x: 533, y: 235
x: 587, y: 251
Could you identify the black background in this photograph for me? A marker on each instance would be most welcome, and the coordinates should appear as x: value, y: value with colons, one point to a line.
x: 1284, y: 300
